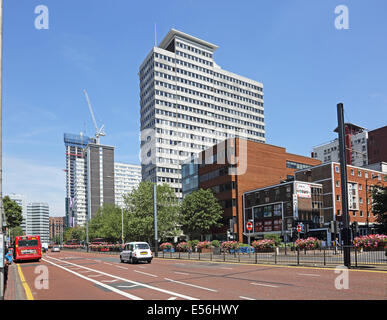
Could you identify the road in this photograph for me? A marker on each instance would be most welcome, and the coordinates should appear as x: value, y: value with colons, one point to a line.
x: 74, y: 275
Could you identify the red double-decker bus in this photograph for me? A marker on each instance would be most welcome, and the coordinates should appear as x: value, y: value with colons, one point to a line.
x: 27, y: 248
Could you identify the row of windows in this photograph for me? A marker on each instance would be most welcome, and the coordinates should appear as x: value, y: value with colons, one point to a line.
x: 168, y: 180
x: 231, y: 79
x: 186, y: 135
x: 204, y: 95
x: 296, y: 165
x: 188, y: 56
x: 359, y: 173
x: 193, y: 49
x: 182, y: 80
x: 203, y: 78
x: 219, y: 83
x: 181, y: 144
x: 202, y: 112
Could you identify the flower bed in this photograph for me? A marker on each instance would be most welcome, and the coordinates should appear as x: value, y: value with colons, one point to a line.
x: 183, y: 247
x: 230, y: 246
x: 72, y: 246
x: 265, y: 245
x: 371, y: 242
x: 166, y: 246
x: 308, y: 243
x: 105, y: 247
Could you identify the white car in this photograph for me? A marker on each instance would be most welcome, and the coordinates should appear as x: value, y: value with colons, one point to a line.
x: 136, y: 251
x: 55, y: 249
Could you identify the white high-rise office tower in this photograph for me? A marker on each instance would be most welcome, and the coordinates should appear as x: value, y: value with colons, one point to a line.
x: 38, y: 221
x: 188, y: 103
x: 126, y: 178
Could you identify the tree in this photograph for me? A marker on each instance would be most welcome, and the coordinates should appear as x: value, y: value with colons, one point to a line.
x: 13, y: 212
x: 200, y: 211
x: 106, y: 223
x: 77, y: 233
x: 139, y: 225
x: 379, y: 207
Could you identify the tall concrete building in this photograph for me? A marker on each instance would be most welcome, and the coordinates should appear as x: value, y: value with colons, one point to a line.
x: 38, y: 220
x: 75, y: 175
x: 189, y: 103
x: 100, y: 176
x: 126, y: 178
x: 21, y: 201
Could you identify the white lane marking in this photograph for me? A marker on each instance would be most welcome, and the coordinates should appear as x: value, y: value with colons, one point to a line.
x: 264, y: 285
x: 115, y: 280
x: 246, y: 298
x: 135, y: 282
x: 191, y: 285
x: 134, y: 285
x: 142, y: 267
x: 95, y: 275
x: 84, y: 271
x: 225, y: 268
x: 108, y: 263
x: 127, y: 295
x: 308, y: 274
x: 122, y: 267
x: 148, y: 274
x: 172, y: 298
x: 186, y: 274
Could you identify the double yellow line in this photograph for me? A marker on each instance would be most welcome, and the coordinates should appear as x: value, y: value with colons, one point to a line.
x: 25, y: 285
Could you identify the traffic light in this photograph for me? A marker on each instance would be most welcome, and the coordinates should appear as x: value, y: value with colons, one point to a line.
x: 355, y: 227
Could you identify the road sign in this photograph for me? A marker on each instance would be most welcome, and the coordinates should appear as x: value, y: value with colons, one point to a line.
x: 249, y: 226
x: 299, y: 228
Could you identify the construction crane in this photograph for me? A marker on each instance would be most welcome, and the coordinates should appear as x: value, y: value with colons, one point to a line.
x: 98, y: 132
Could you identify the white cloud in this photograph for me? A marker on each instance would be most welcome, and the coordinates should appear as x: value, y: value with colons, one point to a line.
x: 39, y: 183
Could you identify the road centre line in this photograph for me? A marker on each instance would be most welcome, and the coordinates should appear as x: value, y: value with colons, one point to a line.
x: 134, y: 282
x: 148, y: 274
x: 264, y: 285
x: 127, y: 295
x: 191, y: 285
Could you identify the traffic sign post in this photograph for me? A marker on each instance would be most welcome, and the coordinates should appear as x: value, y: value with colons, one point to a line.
x: 249, y: 227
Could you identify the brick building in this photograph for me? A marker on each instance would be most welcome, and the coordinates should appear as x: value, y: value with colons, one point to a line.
x: 360, y: 183
x: 235, y: 166
x: 57, y: 225
x: 377, y: 145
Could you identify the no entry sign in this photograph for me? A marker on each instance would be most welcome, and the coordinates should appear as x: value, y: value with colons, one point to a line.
x: 299, y: 228
x: 249, y: 226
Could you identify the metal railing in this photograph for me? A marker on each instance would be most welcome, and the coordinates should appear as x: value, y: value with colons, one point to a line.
x: 328, y: 256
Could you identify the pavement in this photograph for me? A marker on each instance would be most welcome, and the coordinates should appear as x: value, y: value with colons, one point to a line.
x: 15, y: 289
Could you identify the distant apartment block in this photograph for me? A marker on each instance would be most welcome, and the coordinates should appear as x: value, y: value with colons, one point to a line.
x: 189, y: 103
x: 75, y: 177
x: 21, y: 201
x: 126, y: 178
x: 356, y: 139
x: 56, y: 227
x: 38, y: 220
x: 100, y: 177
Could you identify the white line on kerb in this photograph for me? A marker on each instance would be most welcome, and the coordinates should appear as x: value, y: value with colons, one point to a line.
x: 191, y: 285
x: 264, y: 285
x: 131, y: 281
x: 127, y: 295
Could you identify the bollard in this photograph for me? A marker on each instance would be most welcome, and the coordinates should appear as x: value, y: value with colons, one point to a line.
x: 298, y: 256
x: 324, y: 257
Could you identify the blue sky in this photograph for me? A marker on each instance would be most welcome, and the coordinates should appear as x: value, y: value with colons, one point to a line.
x: 306, y: 65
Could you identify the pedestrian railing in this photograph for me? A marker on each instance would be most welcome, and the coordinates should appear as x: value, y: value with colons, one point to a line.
x: 327, y: 256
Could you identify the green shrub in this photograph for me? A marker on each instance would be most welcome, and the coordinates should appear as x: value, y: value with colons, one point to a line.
x: 215, y: 243
x: 275, y: 237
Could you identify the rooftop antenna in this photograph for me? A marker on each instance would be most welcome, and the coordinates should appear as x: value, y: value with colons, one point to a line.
x: 155, y: 36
